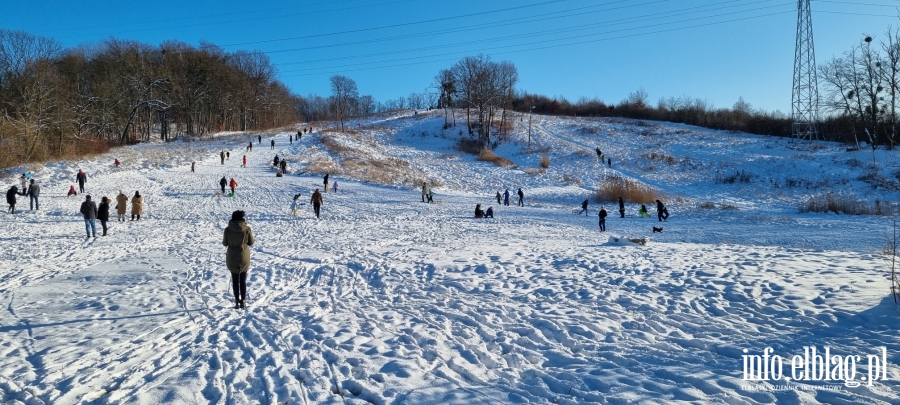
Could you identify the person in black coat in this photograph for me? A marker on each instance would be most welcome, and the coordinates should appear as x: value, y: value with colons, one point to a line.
x: 273, y: 144
x: 621, y: 207
x: 602, y: 215
x: 325, y: 181
x: 479, y: 213
x: 661, y: 212
x: 584, y: 205
x: 11, y: 198
x: 223, y: 183
x: 81, y: 178
x: 521, y: 198
x: 103, y: 213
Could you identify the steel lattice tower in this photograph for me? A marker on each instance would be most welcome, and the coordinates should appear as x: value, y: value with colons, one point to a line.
x: 805, y: 98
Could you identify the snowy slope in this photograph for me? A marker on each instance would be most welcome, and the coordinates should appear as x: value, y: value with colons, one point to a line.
x: 387, y: 300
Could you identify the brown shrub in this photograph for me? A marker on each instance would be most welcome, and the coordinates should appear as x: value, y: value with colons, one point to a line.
x: 661, y: 157
x: 614, y: 186
x: 470, y: 146
x: 707, y: 205
x: 487, y: 155
x: 545, y: 161
x: 584, y: 152
x: 532, y: 170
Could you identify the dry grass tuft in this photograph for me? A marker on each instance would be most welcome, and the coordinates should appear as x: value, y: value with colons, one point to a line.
x: 545, y: 161
x: 571, y: 180
x: 661, y: 157
x: 532, y: 170
x: 707, y: 205
x: 487, y: 155
x: 843, y: 204
x: 631, y: 191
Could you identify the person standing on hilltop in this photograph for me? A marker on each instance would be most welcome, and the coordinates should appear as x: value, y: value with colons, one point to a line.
x: 521, y: 197
x: 244, y: 164
x: 259, y: 138
x: 621, y: 207
x: 11, y: 198
x: 506, y: 198
x: 232, y: 184
x: 425, y: 191
x: 222, y: 157
x: 273, y: 143
x: 584, y: 206
x: 325, y: 181
x: 194, y: 163
x: 499, y: 197
x: 238, y: 237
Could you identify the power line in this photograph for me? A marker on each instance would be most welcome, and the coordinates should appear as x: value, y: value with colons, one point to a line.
x: 398, y: 25
x: 531, y: 34
x: 553, y: 46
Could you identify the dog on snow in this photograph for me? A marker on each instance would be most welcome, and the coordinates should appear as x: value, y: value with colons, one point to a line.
x: 659, y: 230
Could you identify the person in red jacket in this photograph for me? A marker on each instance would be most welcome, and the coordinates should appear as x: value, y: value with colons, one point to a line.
x: 232, y: 184
x: 245, y: 162
x: 116, y: 163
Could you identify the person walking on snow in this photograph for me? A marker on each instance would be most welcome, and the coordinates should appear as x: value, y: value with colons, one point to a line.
x: 499, y: 197
x: 602, y: 216
x: 103, y: 213
x: 621, y: 207
x: 11, y: 199
x: 137, y: 206
x: 291, y: 138
x: 23, y: 184
x: 425, y: 191
x: 661, y: 212
x: 584, y: 205
x: 250, y: 147
x: 81, y: 177
x: 244, y: 162
x: 227, y: 155
x: 295, y: 204
x: 89, y: 210
x: 192, y: 166
x: 326, y: 182
x: 334, y: 190
x: 643, y: 212
x: 273, y: 143
x: 238, y: 237
x: 33, y: 192
x: 506, y: 198
x: 232, y: 184
x: 223, y: 183
x: 316, y: 201
x: 121, y: 205
x: 116, y: 163
x: 608, y: 160
x: 222, y: 157
x: 521, y: 198
x: 275, y: 161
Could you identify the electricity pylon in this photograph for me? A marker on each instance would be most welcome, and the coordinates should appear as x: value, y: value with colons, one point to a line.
x: 805, y: 97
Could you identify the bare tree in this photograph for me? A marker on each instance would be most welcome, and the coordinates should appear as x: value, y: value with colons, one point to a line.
x: 343, y: 91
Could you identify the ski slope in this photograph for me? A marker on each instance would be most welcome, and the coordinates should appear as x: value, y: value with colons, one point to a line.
x: 388, y: 300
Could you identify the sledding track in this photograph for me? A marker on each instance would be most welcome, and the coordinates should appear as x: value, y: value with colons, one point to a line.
x: 386, y: 300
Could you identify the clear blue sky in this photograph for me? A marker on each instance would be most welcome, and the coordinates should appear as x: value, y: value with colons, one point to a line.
x: 716, y: 50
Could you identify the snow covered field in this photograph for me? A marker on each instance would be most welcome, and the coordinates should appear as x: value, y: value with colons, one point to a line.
x: 387, y: 300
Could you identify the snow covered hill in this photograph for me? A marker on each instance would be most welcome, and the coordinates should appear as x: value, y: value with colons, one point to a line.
x: 388, y: 300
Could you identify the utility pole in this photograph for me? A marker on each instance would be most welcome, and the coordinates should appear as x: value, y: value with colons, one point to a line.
x: 530, y: 113
x: 805, y: 96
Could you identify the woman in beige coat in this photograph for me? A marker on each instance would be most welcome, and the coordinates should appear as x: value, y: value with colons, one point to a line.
x: 137, y: 205
x: 238, y: 238
x: 121, y: 205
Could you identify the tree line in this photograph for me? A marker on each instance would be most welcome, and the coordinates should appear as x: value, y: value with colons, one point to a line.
x: 57, y: 102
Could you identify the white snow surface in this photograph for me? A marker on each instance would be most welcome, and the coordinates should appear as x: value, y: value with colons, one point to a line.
x: 388, y: 300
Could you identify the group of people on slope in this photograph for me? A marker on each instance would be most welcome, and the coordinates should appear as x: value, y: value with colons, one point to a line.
x: 29, y: 188
x: 505, y: 197
x: 662, y: 212
x: 93, y: 213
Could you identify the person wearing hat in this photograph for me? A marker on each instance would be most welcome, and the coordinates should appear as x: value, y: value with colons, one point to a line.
x: 238, y: 238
